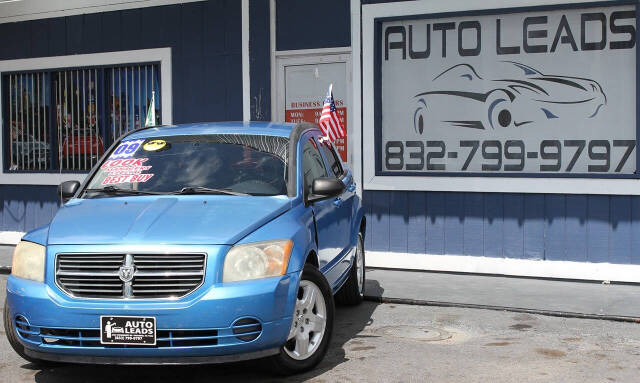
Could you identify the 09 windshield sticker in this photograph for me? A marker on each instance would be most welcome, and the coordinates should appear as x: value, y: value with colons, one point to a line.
x: 126, y: 149
x: 126, y: 171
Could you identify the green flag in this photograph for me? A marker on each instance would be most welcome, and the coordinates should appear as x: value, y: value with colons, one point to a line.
x: 151, y: 111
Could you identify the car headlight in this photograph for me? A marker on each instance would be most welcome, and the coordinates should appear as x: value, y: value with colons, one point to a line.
x: 257, y: 260
x: 28, y: 261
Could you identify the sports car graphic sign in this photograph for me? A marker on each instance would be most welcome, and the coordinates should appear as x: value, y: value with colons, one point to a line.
x: 550, y: 92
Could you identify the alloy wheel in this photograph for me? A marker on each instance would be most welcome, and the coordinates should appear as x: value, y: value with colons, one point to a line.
x: 309, y: 322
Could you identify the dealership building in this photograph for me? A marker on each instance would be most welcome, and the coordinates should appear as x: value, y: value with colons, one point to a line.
x: 485, y: 136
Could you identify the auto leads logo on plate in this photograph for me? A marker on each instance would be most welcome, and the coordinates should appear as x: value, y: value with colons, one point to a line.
x: 128, y: 330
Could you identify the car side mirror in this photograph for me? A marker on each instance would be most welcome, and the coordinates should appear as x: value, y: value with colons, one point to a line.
x: 325, y: 187
x: 68, y: 189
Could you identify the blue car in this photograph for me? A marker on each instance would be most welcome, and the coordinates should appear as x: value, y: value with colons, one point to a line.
x: 199, y: 243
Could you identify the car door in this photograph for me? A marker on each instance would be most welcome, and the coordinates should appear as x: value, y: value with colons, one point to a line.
x: 343, y: 203
x: 326, y: 213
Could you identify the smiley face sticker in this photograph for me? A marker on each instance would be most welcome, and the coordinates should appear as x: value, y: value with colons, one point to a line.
x: 154, y: 145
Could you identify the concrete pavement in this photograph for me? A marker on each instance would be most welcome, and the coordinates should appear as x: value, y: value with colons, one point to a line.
x: 400, y: 343
x: 551, y: 297
x: 6, y: 253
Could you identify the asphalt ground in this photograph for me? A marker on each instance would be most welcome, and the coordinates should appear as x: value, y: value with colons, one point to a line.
x: 404, y: 343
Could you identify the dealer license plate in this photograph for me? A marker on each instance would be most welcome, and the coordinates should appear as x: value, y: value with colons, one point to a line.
x: 128, y: 330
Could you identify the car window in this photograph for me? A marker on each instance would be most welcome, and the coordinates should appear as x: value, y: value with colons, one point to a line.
x: 332, y: 158
x: 242, y: 163
x: 312, y: 164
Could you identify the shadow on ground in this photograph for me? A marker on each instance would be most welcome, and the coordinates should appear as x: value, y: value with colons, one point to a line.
x: 349, y: 322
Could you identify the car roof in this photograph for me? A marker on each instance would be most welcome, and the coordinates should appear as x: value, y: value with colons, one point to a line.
x: 259, y: 128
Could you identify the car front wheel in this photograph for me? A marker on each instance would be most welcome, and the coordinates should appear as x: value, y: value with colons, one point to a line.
x: 311, y: 326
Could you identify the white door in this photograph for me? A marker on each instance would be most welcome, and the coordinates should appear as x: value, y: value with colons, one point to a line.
x: 302, y: 82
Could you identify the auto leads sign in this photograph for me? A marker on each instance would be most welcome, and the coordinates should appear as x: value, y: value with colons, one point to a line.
x: 550, y: 92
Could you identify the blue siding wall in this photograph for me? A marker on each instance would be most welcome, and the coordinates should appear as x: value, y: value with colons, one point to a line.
x: 260, y: 60
x: 205, y: 38
x: 585, y: 228
x: 312, y: 24
x: 24, y: 207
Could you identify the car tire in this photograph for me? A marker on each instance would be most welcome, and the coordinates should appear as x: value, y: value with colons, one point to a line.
x: 292, y: 358
x: 352, y: 292
x: 15, y: 343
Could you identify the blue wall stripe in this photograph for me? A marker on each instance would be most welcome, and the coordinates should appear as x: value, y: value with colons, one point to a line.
x: 454, y: 223
x: 260, y: 60
x: 380, y: 221
x: 576, y: 228
x: 493, y: 225
x: 534, y: 227
x: 310, y: 24
x: 555, y: 227
x: 598, y: 228
x: 635, y: 230
x: 416, y: 225
x: 24, y: 207
x: 582, y: 228
x: 513, y: 230
x: 435, y: 214
x: 398, y: 222
x: 620, y: 230
x: 473, y: 241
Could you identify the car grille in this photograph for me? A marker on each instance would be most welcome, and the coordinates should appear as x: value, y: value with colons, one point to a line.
x: 152, y: 276
x: 242, y: 331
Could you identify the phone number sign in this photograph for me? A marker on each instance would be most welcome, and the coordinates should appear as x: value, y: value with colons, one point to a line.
x: 532, y: 92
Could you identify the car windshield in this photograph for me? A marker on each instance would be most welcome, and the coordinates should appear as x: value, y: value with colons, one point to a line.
x: 235, y: 164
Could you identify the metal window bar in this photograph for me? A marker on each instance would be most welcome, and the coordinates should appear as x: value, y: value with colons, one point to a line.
x: 90, y: 114
x: 43, y: 117
x: 120, y: 101
x: 74, y: 95
x: 95, y: 115
x: 146, y: 94
x: 10, y: 124
x: 59, y: 118
x: 37, y: 126
x: 126, y: 100
x: 139, y: 100
x: 113, y: 107
x: 152, y: 94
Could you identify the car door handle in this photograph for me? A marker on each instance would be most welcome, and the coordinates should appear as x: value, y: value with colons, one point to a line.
x: 352, y: 187
x: 337, y: 201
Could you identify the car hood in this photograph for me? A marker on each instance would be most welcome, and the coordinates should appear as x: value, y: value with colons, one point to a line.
x: 193, y: 219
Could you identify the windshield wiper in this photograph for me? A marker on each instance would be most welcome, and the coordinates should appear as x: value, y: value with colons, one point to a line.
x: 116, y: 190
x: 205, y: 190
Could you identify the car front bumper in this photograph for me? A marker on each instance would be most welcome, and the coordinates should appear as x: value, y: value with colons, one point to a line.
x: 198, y: 328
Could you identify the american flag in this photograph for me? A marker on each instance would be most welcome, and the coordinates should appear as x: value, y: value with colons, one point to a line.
x: 329, y: 120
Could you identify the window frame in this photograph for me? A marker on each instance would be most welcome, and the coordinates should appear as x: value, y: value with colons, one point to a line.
x: 161, y: 56
x: 304, y: 141
x: 336, y: 157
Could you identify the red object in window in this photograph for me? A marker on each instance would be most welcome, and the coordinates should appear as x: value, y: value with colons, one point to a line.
x: 90, y: 146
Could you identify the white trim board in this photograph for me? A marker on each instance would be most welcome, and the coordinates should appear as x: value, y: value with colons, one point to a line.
x: 442, y: 183
x: 505, y: 266
x: 161, y: 55
x: 10, y: 237
x: 23, y: 10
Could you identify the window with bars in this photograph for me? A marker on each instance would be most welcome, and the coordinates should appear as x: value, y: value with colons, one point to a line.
x: 63, y: 120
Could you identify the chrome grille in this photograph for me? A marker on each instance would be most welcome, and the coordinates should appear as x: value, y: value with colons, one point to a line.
x: 154, y: 275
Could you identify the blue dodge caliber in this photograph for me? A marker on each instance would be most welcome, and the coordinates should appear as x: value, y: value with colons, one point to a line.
x: 199, y: 243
